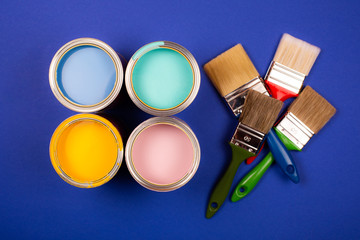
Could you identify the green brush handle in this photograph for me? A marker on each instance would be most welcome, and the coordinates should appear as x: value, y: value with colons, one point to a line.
x: 252, y: 178
x: 222, y: 188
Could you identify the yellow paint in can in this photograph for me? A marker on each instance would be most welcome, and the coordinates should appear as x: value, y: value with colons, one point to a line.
x: 86, y: 150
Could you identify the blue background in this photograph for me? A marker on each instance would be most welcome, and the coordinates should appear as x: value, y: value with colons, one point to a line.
x: 36, y: 204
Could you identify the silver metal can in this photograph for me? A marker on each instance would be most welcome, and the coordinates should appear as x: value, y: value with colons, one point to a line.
x: 141, y: 176
x: 112, y: 91
x: 170, y: 110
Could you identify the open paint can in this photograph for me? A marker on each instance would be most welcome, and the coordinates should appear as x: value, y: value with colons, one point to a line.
x: 162, y: 154
x: 86, y: 150
x: 162, y: 78
x: 86, y: 75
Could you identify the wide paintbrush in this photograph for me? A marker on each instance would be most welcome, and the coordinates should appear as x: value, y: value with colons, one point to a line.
x: 258, y: 116
x: 233, y: 75
x: 292, y: 62
x: 304, y: 118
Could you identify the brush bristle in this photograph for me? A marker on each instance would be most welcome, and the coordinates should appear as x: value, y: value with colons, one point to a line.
x: 260, y: 111
x: 230, y: 70
x: 296, y: 54
x: 312, y: 109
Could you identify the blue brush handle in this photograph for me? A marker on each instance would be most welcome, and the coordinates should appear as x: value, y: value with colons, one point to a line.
x: 282, y: 156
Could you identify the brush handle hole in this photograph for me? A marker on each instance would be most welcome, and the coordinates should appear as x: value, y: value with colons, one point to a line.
x: 214, y: 205
x: 290, y: 169
x: 241, y: 190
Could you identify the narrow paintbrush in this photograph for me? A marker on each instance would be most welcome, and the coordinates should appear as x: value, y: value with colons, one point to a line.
x: 305, y: 117
x: 258, y: 116
x: 233, y: 74
x: 291, y: 64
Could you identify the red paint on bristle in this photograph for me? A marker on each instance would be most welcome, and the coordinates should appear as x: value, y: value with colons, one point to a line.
x: 278, y: 92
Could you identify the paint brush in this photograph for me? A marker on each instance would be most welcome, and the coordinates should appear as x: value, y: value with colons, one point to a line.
x: 305, y: 117
x: 258, y: 116
x: 233, y: 75
x: 292, y: 62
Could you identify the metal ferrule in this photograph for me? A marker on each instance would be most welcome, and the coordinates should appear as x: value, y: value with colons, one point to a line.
x: 295, y: 130
x: 247, y: 138
x: 285, y: 77
x: 236, y: 98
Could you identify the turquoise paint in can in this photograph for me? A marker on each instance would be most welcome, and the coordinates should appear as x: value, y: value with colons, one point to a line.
x: 162, y: 78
